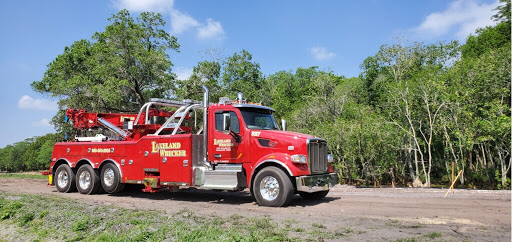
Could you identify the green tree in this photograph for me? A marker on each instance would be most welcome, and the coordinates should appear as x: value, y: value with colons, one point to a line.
x: 117, y: 70
x: 36, y: 156
x: 406, y: 83
x: 241, y: 74
x: 503, y: 12
x: 482, y: 94
x: 205, y: 73
x: 45, y: 154
x: 11, y: 158
x: 289, y: 91
x: 487, y: 39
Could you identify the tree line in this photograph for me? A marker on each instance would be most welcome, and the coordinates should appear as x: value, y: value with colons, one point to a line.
x: 414, y: 109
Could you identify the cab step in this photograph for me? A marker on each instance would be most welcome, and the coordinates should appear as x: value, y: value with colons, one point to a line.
x: 224, y: 177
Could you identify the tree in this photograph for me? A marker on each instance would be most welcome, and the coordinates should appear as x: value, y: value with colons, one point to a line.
x: 289, y: 91
x: 503, y: 12
x: 241, y: 74
x: 406, y: 82
x: 482, y: 94
x: 117, y: 70
x: 205, y: 73
x: 38, y: 153
x: 486, y: 39
x: 45, y: 154
x: 11, y: 158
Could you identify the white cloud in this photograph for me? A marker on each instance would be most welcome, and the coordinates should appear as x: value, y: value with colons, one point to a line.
x: 213, y: 29
x: 320, y: 53
x: 44, y: 122
x: 183, y: 72
x: 144, y: 5
x: 462, y: 17
x: 27, y: 102
x: 181, y: 22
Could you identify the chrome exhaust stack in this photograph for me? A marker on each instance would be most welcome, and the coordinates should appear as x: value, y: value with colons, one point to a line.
x: 206, y: 102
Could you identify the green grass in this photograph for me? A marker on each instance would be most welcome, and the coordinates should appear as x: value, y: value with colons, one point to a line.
x: 397, y: 224
x: 23, y: 175
x: 320, y: 226
x: 434, y: 235
x: 406, y: 240
x: 42, y: 218
x: 430, y: 236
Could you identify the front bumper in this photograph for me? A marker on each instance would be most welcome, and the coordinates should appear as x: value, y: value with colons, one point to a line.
x: 316, y: 183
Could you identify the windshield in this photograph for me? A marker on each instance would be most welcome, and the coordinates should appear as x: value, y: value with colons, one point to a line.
x: 256, y: 118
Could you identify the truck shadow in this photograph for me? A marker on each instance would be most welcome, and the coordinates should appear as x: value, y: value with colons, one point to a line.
x: 191, y: 195
x: 212, y: 196
x: 297, y: 201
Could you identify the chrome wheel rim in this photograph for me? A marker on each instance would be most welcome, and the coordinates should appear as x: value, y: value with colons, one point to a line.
x: 84, y: 180
x: 108, y: 177
x: 62, y: 179
x: 269, y: 188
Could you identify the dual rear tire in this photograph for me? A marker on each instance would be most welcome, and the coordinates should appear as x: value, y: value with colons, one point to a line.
x: 88, y: 180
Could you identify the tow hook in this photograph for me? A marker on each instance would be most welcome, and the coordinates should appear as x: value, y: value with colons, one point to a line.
x: 320, y: 182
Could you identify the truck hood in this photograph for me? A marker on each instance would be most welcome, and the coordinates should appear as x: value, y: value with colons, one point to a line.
x: 280, y: 141
x: 278, y: 134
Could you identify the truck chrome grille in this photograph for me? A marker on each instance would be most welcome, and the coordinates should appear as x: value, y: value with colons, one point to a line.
x: 317, y: 155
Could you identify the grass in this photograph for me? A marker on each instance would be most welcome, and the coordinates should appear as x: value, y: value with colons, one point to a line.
x: 406, y: 240
x: 430, y: 236
x: 397, y: 224
x: 434, y: 235
x: 23, y: 175
x: 320, y: 226
x: 43, y: 218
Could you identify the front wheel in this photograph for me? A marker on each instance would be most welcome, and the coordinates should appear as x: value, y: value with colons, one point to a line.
x: 272, y: 187
x: 314, y: 195
x: 87, y: 180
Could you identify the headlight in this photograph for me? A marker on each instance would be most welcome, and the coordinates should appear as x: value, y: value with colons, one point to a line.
x: 299, y: 159
x: 330, y: 158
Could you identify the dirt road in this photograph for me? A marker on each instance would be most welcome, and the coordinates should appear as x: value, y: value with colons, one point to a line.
x: 361, y: 213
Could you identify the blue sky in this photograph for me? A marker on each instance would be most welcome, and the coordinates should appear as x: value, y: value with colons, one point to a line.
x: 281, y: 35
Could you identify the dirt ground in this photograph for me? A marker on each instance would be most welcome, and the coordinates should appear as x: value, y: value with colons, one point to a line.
x: 359, y: 213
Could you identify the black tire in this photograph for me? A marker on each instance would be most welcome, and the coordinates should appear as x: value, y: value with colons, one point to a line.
x: 314, y: 195
x: 264, y: 187
x: 87, y: 180
x: 65, y: 179
x: 111, y: 179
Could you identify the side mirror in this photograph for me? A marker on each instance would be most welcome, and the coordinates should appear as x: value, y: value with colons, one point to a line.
x: 226, y: 123
x: 283, y: 124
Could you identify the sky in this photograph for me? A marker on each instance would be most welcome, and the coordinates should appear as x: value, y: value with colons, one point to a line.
x: 334, y: 35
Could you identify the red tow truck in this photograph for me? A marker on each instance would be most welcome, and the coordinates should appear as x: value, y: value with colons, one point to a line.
x: 229, y: 145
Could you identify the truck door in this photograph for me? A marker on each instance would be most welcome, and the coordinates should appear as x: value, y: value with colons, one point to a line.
x: 225, y: 147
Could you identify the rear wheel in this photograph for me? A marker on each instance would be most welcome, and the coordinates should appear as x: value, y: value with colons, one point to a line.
x: 65, y: 179
x: 111, y: 179
x: 272, y: 187
x: 87, y: 180
x: 314, y: 195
